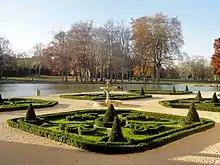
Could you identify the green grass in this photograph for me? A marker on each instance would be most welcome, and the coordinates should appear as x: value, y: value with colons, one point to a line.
x: 44, y: 78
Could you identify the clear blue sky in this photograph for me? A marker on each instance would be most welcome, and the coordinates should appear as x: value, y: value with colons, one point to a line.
x: 25, y: 22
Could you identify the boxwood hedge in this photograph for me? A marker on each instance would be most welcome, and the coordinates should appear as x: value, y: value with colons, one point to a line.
x: 101, y: 96
x: 166, y: 92
x: 14, y: 104
x: 203, y: 104
x: 102, y: 146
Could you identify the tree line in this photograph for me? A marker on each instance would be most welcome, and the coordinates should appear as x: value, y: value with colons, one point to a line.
x: 145, y: 49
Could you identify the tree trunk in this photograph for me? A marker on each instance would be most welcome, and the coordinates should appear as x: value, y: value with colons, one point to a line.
x: 122, y: 74
x: 39, y: 71
x: 76, y: 75
x: 62, y: 76
x: 66, y: 79
x: 158, y: 73
x: 154, y: 74
x: 96, y: 74
x: 80, y: 75
x: 111, y: 73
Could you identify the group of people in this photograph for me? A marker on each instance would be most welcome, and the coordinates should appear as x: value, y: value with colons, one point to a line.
x: 120, y: 88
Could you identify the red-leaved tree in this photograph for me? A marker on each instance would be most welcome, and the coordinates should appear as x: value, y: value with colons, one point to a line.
x: 215, y: 59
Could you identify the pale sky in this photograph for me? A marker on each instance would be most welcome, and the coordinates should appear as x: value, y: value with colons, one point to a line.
x: 26, y: 22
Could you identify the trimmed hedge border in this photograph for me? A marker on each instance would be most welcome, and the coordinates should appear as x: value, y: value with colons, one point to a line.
x: 165, y: 92
x: 185, y: 105
x: 113, y: 148
x: 95, y: 97
x: 45, y: 104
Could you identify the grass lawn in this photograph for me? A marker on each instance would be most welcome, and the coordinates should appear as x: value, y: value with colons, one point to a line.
x: 70, y: 79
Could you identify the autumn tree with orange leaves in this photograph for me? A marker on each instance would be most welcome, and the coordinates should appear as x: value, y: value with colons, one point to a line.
x: 215, y: 59
x: 157, y: 39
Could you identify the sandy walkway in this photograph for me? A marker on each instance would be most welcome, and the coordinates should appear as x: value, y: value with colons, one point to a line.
x: 20, y: 148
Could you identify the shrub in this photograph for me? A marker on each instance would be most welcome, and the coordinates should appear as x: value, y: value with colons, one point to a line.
x: 69, y: 129
x: 30, y: 114
x: 214, y: 98
x: 80, y: 117
x: 98, y: 144
x: 116, y: 134
x: 110, y: 114
x: 174, y: 89
x: 1, y: 100
x: 198, y: 96
x: 142, y: 91
x: 86, y: 131
x: 62, y: 127
x: 186, y: 88
x: 136, y: 117
x: 192, y: 115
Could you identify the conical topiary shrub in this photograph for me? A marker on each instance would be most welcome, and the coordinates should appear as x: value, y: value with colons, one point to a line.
x: 174, y: 89
x: 198, y: 96
x: 186, y: 88
x: 1, y: 99
x: 192, y: 115
x: 116, y: 134
x: 109, y: 114
x: 30, y: 114
x: 142, y: 91
x: 214, y: 98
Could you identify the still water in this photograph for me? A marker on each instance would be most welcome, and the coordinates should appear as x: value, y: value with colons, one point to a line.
x: 16, y: 90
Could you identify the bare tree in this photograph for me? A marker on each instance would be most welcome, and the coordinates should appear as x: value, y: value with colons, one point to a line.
x: 39, y: 60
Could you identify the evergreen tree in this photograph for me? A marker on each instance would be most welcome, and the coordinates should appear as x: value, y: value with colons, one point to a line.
x: 186, y: 88
x: 174, y: 89
x: 142, y: 91
x: 30, y: 114
x: 1, y: 99
x: 116, y: 134
x: 214, y: 98
x: 192, y: 115
x: 198, y: 96
x: 109, y: 114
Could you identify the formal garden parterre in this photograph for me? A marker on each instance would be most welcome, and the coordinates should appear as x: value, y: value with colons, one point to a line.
x: 13, y: 104
x: 112, y: 131
x: 102, y: 96
x: 203, y: 104
x: 157, y: 91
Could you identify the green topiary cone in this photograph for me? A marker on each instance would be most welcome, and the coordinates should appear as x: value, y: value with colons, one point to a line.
x: 116, y: 134
x: 214, y: 98
x: 30, y: 114
x: 109, y: 114
x: 142, y: 91
x: 186, y: 88
x: 192, y: 115
x: 1, y: 99
x: 174, y: 89
x: 198, y: 96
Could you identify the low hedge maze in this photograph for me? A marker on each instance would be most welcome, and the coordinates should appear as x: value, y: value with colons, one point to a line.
x: 111, y: 131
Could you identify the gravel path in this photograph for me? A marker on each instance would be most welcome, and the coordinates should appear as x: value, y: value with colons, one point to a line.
x: 21, y: 148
